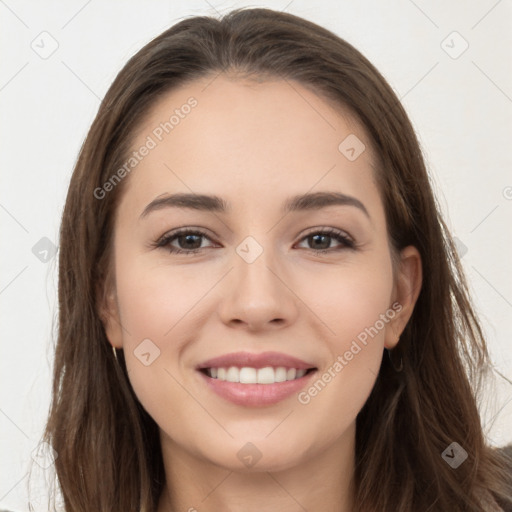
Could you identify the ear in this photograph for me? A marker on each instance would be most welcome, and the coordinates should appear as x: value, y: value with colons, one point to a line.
x: 109, y: 314
x: 406, y: 291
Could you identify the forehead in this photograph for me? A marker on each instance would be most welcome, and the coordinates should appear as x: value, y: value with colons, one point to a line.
x: 242, y: 139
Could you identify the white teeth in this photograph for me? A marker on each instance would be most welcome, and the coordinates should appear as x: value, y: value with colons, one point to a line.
x: 248, y: 375
x: 233, y: 374
x: 280, y: 374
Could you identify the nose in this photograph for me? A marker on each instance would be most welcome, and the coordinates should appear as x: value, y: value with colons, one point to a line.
x: 257, y: 296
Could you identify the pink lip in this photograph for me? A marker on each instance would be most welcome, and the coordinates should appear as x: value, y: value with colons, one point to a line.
x: 241, y: 359
x: 256, y: 395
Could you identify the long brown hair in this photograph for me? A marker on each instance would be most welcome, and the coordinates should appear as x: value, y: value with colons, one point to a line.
x: 109, y: 456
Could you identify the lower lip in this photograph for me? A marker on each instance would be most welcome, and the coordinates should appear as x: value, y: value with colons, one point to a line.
x: 256, y: 395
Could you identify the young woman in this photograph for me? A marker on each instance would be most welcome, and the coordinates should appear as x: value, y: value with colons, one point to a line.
x: 261, y: 307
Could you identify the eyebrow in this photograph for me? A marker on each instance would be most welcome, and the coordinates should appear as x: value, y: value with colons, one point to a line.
x: 212, y: 203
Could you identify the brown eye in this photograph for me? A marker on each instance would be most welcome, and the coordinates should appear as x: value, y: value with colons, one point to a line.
x: 189, y: 241
x: 184, y: 241
x: 320, y: 241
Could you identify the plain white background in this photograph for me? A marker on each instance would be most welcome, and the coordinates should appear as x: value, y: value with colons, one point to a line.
x: 459, y: 99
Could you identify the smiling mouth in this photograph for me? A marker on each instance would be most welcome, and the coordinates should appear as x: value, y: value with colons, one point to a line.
x: 249, y: 375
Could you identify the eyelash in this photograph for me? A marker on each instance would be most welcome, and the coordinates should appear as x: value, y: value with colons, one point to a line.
x: 165, y: 241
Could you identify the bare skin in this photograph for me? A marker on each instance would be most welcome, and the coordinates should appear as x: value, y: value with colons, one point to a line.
x: 255, y: 145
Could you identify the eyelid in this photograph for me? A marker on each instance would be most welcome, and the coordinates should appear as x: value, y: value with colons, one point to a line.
x: 339, y: 235
x: 344, y: 238
x: 163, y: 240
x: 328, y: 230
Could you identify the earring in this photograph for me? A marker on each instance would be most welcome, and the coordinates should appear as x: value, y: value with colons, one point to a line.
x: 115, y: 354
x: 401, y: 366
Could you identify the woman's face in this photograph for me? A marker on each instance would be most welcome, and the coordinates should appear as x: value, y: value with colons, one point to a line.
x: 288, y: 255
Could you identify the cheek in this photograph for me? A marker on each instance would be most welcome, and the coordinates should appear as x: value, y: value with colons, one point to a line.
x: 156, y: 304
x: 156, y: 314
x: 351, y: 300
x: 356, y: 306
x: 153, y: 301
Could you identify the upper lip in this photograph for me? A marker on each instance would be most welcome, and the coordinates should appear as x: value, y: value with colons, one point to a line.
x: 262, y: 360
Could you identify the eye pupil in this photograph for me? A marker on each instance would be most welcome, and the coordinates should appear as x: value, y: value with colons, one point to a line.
x: 190, y: 238
x: 316, y: 238
x: 190, y: 242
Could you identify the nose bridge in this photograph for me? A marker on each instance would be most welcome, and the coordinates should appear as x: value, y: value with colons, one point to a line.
x: 256, y: 295
x: 252, y: 264
x: 252, y: 270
